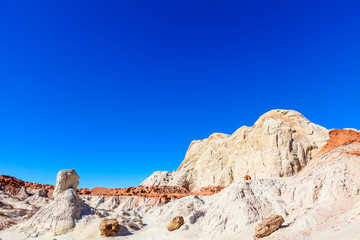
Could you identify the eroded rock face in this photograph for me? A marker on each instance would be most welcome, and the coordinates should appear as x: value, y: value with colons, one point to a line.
x: 109, y: 227
x: 279, y: 144
x: 66, y: 179
x: 268, y: 226
x: 176, y: 223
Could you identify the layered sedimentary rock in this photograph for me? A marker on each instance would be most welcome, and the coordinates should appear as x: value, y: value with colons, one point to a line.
x: 163, y: 193
x: 279, y: 144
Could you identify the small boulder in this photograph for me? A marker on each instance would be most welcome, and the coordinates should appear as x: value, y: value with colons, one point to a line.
x: 176, y: 223
x: 109, y: 226
x: 247, y: 177
x: 268, y: 226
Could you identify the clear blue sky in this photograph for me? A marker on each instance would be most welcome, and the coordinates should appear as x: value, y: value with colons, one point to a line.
x: 119, y: 89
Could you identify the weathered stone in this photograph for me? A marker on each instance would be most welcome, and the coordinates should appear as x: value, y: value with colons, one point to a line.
x: 66, y: 179
x: 109, y: 227
x: 247, y: 177
x: 176, y: 223
x: 268, y: 226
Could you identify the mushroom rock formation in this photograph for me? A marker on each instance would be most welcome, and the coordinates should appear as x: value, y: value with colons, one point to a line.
x: 279, y: 144
x: 58, y: 217
x: 66, y: 179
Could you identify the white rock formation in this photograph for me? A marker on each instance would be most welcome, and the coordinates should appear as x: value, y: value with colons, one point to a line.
x: 60, y: 215
x: 329, y: 185
x: 66, y: 179
x: 159, y: 178
x: 279, y: 144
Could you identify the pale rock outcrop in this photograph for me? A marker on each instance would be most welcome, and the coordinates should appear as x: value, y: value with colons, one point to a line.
x: 23, y: 194
x: 279, y: 144
x: 268, y: 226
x: 66, y: 179
x: 159, y: 178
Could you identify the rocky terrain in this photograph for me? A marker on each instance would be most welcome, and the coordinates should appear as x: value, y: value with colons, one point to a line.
x: 286, y: 178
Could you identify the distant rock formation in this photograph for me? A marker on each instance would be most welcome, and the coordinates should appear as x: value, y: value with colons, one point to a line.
x: 13, y: 185
x: 160, y: 194
x: 165, y: 193
x: 279, y: 144
x: 159, y: 178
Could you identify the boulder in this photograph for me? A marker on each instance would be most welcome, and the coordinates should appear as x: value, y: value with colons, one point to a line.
x: 66, y: 179
x: 247, y: 177
x: 176, y: 223
x: 268, y: 226
x: 109, y: 227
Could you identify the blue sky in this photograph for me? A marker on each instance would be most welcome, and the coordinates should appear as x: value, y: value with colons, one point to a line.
x: 119, y: 89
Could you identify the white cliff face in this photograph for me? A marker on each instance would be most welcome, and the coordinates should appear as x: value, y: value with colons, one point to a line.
x: 66, y: 179
x: 280, y: 144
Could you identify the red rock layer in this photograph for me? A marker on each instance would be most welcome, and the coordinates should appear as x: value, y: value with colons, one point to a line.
x: 13, y: 185
x: 341, y: 137
x: 164, y: 194
x: 338, y: 138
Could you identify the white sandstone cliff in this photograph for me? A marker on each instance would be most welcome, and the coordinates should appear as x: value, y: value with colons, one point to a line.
x: 280, y: 144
